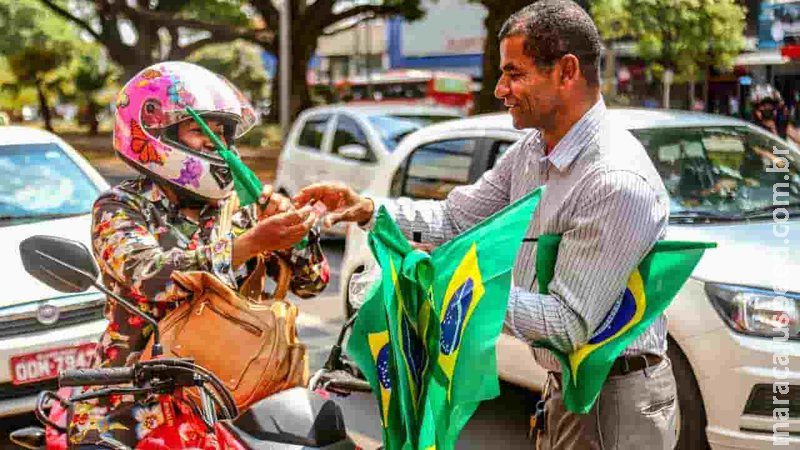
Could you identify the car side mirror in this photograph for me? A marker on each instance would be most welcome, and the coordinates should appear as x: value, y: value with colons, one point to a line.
x: 354, y: 151
x: 62, y: 264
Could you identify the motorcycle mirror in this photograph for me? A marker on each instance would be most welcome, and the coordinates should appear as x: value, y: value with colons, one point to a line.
x: 62, y: 264
x: 68, y: 266
x: 32, y: 438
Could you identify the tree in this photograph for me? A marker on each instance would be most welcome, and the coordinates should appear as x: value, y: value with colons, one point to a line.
x: 686, y: 37
x: 312, y: 19
x: 172, y: 30
x: 241, y: 63
x: 92, y: 77
x: 140, y: 33
x: 37, y: 46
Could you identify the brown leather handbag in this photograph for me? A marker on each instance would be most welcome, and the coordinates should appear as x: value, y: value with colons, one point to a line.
x: 248, y: 339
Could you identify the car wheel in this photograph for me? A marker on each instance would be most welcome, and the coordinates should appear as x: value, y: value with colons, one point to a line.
x: 690, y: 414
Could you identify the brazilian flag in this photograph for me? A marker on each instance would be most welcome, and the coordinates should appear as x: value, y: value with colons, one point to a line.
x: 402, y: 299
x: 443, y: 315
x: 369, y: 347
x: 650, y: 289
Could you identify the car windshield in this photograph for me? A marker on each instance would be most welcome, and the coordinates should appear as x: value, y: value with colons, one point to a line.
x: 726, y: 172
x: 39, y: 181
x: 394, y: 127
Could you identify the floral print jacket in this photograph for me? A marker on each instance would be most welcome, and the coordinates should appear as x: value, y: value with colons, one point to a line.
x: 139, y: 238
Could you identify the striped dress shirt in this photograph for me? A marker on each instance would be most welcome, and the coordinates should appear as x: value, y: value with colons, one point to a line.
x: 606, y: 199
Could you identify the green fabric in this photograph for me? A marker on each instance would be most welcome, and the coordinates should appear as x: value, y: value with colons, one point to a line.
x: 650, y: 289
x: 369, y: 348
x: 443, y: 315
x: 247, y: 185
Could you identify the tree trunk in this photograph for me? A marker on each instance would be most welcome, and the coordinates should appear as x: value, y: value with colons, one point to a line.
x: 43, y: 106
x: 706, y: 77
x: 302, y: 50
x: 486, y: 101
x: 94, y: 124
x: 300, y: 95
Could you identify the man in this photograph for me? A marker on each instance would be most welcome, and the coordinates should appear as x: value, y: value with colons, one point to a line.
x: 603, y: 195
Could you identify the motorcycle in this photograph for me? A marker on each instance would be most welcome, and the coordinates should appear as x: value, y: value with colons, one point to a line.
x: 297, y: 418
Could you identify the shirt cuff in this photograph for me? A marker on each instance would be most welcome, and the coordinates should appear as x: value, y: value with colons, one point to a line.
x: 370, y: 224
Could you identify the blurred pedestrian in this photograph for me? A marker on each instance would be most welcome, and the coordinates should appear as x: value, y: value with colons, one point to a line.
x: 770, y: 112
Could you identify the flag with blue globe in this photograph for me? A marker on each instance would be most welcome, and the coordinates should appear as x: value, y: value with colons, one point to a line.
x: 442, y: 315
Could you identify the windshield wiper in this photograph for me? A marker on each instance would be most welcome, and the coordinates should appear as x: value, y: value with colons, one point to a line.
x: 41, y: 216
x: 767, y: 211
x: 701, y: 216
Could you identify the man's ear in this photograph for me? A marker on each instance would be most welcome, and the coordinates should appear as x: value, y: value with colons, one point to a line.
x: 569, y: 68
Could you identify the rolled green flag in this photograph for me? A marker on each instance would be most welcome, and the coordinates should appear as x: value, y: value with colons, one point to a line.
x: 247, y: 185
x: 650, y: 290
x: 425, y: 337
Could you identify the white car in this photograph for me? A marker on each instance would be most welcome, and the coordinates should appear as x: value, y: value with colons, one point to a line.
x: 721, y: 323
x: 46, y: 187
x: 349, y: 143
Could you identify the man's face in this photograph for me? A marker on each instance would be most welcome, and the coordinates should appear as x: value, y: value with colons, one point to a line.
x: 530, y: 94
x: 191, y: 135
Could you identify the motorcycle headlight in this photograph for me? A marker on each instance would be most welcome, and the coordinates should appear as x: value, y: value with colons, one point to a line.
x: 756, y: 311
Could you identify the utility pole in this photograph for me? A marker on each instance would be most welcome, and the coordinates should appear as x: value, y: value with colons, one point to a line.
x: 285, y: 61
x: 369, y: 53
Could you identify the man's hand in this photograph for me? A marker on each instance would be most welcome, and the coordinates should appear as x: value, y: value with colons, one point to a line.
x: 343, y: 203
x: 277, y: 232
x: 271, y: 203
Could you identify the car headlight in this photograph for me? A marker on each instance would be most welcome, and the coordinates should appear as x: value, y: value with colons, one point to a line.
x: 756, y: 311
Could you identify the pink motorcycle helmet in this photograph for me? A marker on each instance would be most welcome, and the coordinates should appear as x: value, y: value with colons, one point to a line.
x: 148, y: 110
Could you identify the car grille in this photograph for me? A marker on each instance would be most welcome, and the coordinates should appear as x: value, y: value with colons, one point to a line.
x: 10, y: 391
x: 75, y: 310
x: 761, y: 403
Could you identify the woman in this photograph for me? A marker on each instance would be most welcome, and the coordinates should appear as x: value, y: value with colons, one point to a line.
x: 180, y: 215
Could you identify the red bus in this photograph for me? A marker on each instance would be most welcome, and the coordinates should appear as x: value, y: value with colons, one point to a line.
x: 408, y: 86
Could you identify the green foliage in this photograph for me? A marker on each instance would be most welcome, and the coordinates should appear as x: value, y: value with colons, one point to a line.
x: 240, y: 62
x: 230, y: 12
x: 37, y: 46
x: 682, y: 35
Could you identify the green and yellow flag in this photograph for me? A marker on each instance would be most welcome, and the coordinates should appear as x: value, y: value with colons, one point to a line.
x: 443, y: 313
x: 650, y: 289
x: 369, y: 347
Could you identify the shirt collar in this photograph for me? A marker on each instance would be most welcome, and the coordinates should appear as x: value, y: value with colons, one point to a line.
x: 578, y: 137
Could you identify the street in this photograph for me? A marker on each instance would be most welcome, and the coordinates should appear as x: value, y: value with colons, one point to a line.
x: 500, y: 423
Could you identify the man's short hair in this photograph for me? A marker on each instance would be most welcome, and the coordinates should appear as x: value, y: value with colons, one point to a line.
x: 554, y: 28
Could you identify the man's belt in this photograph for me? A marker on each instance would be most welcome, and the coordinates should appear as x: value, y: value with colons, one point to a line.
x: 629, y: 364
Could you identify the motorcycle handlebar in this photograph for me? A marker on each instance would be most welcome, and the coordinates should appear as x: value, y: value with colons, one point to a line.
x: 343, y: 381
x: 352, y: 385
x: 96, y: 377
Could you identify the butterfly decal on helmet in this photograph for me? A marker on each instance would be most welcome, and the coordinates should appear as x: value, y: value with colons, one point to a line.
x: 143, y: 146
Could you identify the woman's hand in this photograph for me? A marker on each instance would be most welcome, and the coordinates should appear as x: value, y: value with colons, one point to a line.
x: 277, y: 232
x: 271, y: 203
x: 343, y: 203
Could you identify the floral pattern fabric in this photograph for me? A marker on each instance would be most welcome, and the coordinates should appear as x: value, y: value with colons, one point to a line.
x: 139, y: 238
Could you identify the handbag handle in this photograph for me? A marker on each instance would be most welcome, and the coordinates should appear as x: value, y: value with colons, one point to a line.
x: 253, y: 286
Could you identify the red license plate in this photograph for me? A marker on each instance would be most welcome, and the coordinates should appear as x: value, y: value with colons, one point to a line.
x: 45, y: 365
